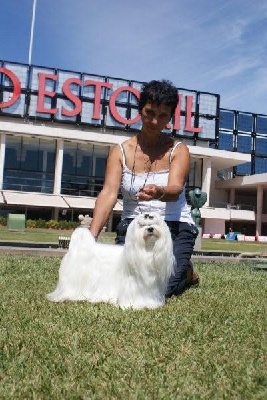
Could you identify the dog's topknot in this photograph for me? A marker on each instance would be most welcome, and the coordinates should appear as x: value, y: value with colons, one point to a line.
x: 85, y: 220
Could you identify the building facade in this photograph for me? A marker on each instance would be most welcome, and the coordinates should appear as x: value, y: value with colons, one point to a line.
x: 57, y: 128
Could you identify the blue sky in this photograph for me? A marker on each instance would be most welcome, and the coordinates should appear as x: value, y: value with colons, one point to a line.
x: 218, y: 46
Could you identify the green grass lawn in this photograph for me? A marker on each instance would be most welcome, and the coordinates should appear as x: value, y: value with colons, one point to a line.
x: 229, y: 245
x: 41, y: 235
x: 209, y: 343
x: 32, y: 235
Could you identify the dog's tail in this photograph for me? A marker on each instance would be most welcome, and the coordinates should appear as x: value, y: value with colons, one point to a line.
x: 73, y: 271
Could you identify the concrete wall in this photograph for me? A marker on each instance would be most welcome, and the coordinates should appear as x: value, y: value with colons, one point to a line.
x: 217, y: 196
x: 212, y: 226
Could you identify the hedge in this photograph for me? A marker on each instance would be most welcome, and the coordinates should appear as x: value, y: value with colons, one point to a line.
x: 41, y: 223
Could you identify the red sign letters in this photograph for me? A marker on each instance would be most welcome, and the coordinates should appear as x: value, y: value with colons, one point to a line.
x: 43, y: 93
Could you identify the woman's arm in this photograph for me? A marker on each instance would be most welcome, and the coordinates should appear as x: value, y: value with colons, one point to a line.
x: 179, y: 170
x: 108, y: 196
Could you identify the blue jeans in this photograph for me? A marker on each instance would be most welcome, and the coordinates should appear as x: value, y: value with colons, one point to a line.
x: 183, y: 238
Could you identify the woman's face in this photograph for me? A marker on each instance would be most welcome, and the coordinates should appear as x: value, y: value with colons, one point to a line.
x: 155, y: 117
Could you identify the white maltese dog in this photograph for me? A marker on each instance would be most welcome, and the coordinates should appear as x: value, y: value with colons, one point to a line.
x: 131, y: 276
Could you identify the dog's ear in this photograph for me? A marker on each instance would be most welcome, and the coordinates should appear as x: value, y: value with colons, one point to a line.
x: 80, y: 217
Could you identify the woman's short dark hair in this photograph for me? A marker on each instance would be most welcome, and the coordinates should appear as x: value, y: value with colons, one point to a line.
x: 159, y: 92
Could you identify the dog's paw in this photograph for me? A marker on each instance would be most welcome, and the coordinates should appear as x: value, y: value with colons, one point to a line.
x: 55, y: 297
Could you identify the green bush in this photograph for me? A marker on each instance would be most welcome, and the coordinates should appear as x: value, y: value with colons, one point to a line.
x: 3, y: 221
x: 51, y: 224
x: 67, y: 224
x: 30, y: 223
x: 40, y: 223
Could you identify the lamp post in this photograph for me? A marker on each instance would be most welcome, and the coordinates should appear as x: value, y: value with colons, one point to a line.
x: 32, y: 31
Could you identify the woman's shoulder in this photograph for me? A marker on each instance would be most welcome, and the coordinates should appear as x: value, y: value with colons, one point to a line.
x: 123, y: 145
x: 128, y: 144
x: 173, y: 143
x: 116, y: 152
x: 178, y: 144
x: 178, y: 149
x: 122, y: 150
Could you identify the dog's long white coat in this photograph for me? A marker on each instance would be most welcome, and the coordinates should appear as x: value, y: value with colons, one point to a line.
x: 134, y: 275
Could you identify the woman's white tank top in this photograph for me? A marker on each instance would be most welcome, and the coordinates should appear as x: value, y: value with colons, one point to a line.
x: 177, y: 210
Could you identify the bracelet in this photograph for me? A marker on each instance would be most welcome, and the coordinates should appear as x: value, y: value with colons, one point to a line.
x: 163, y: 193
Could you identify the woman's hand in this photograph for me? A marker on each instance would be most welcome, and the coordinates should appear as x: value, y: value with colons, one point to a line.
x: 150, y: 192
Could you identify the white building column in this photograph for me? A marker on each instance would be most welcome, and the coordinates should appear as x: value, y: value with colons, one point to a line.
x: 2, y: 158
x: 58, y: 173
x: 58, y: 166
x: 232, y: 196
x: 259, y: 209
x: 206, y: 181
x: 109, y: 223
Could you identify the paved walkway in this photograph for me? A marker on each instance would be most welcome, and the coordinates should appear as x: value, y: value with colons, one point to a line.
x: 43, y: 249
x: 32, y: 251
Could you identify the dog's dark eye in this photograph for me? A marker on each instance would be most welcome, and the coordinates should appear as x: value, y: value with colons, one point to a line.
x: 146, y: 215
x: 150, y: 217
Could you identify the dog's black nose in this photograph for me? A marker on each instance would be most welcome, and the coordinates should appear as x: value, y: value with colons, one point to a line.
x: 150, y: 229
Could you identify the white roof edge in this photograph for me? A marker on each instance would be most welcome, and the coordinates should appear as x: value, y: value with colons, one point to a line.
x: 107, y: 137
x: 36, y: 199
x: 242, y: 181
x: 79, y: 201
x: 223, y: 154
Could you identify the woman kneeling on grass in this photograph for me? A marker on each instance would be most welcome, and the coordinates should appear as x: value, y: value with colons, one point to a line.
x: 151, y: 168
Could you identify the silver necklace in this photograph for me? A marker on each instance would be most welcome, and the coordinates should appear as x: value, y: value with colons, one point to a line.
x: 147, y: 170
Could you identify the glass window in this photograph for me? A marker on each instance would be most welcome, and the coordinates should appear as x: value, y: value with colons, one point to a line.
x: 87, y: 114
x: 77, y: 159
x: 227, y: 119
x: 13, y: 152
x: 261, y: 124
x: 260, y: 165
x: 208, y: 104
x: 17, y: 108
x: 261, y: 145
x: 83, y: 169
x: 244, y: 169
x: 33, y: 107
x: 89, y: 90
x: 244, y: 143
x: 63, y: 76
x: 29, y: 154
x: 50, y: 84
x: 226, y: 141
x: 68, y: 105
x: 21, y: 71
x: 133, y: 99
x: 110, y: 121
x: 208, y: 128
x: 123, y: 97
x: 195, y: 175
x: 84, y: 159
x: 100, y: 167
x: 29, y: 164
x: 245, y: 122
